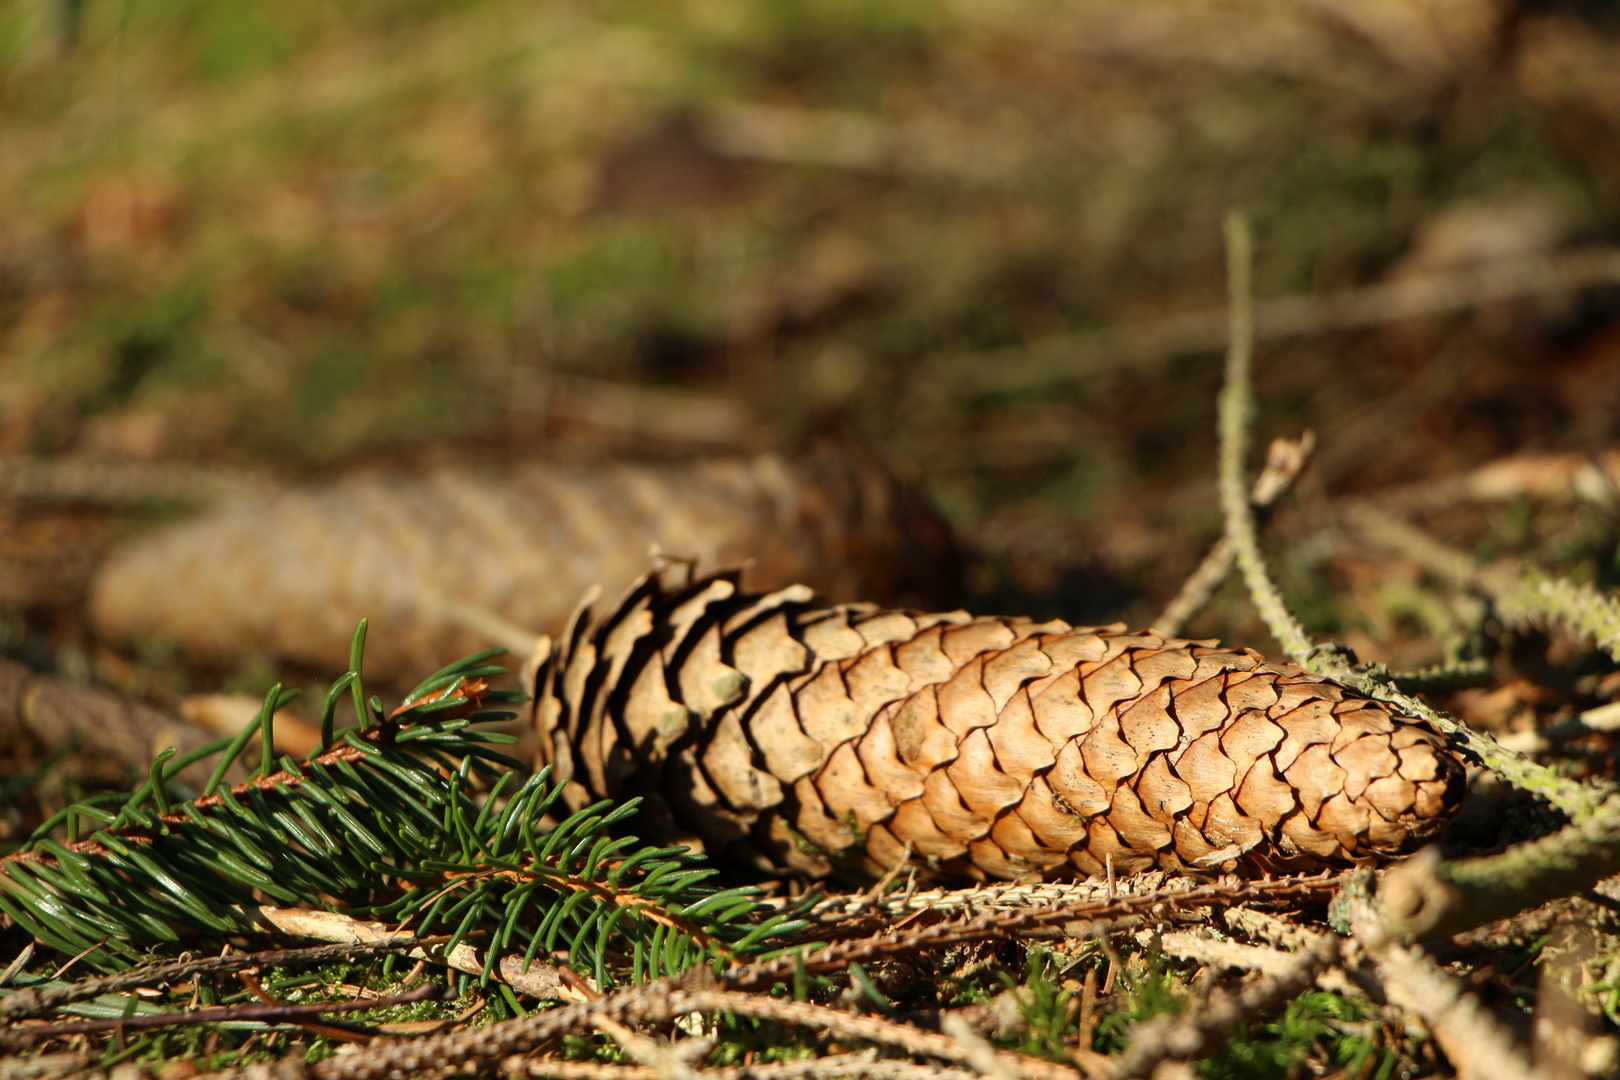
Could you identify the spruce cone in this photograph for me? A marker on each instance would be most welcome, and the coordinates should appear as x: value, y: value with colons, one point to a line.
x: 842, y: 738
x: 431, y: 558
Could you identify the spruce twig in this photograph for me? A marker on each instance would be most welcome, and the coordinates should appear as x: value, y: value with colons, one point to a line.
x: 1521, y: 595
x: 38, y: 999
x: 862, y: 1064
x: 20, y: 1036
x: 384, y: 826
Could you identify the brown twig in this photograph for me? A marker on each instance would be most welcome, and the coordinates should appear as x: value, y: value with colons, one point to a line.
x: 995, y: 924
x: 19, y: 1036
x: 876, y: 1029
x: 35, y: 1000
x: 833, y: 1065
x: 994, y: 896
x: 985, y: 1059
x: 1190, y: 945
x: 645, y: 1051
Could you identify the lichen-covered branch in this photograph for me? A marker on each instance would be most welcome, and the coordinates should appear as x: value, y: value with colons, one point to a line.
x: 1571, y: 797
x: 1425, y: 898
x: 1522, y: 595
x: 1236, y: 409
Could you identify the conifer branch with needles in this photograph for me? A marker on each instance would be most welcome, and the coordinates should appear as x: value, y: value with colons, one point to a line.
x: 401, y: 820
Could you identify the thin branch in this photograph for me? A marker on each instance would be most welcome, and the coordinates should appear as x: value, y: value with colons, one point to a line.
x: 1431, y: 899
x: 1284, y: 460
x: 1198, y: 1032
x: 1199, y: 947
x: 1236, y: 409
x: 20, y: 1036
x: 1521, y: 595
x: 985, y: 1059
x: 35, y: 1000
x: 992, y: 896
x: 1443, y: 678
x: 645, y: 1051
x: 875, y: 1029
x: 1572, y: 798
x: 822, y: 1068
x: 1000, y: 924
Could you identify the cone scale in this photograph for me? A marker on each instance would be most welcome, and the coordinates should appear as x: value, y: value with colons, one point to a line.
x: 848, y: 739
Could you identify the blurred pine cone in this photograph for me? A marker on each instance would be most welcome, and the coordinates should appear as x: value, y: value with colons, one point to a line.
x: 848, y: 738
x: 454, y: 560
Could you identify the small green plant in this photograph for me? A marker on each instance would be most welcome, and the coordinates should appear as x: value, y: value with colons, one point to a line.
x: 1050, y: 1012
x: 1146, y: 993
x: 1325, y: 1026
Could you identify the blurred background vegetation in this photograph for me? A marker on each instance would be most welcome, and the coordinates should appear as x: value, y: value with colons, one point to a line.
x: 300, y: 237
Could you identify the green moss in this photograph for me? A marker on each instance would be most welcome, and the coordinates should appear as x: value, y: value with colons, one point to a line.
x: 1327, y: 1027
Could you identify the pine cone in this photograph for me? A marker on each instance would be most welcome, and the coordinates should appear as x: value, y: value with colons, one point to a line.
x: 849, y: 738
x: 429, y: 558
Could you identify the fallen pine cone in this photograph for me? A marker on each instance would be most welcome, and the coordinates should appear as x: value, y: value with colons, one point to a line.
x: 849, y: 738
x: 449, y: 561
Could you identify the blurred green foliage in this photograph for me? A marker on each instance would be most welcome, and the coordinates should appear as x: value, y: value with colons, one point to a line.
x: 304, y: 233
